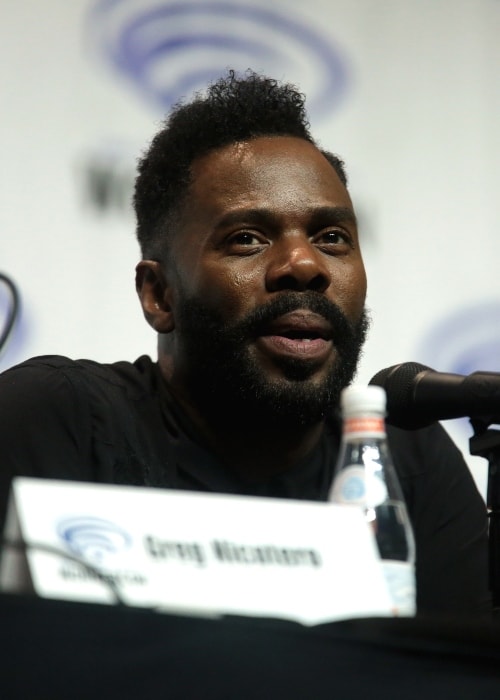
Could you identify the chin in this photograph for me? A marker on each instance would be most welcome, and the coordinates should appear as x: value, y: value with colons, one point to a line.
x: 292, y: 401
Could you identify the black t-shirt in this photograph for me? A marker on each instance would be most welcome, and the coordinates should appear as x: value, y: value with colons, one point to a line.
x: 118, y: 423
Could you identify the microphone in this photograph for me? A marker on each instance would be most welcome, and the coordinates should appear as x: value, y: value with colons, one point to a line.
x: 418, y: 396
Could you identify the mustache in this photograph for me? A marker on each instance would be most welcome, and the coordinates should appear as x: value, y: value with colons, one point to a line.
x: 256, y: 321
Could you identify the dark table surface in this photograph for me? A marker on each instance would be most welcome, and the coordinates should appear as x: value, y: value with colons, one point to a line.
x: 64, y: 650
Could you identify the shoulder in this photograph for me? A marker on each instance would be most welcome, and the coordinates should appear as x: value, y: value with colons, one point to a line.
x: 64, y: 415
x: 52, y: 391
x: 54, y: 376
x: 449, y: 518
x: 417, y: 452
x: 434, y: 474
x: 38, y: 382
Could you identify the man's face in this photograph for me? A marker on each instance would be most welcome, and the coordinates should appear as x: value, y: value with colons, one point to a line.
x: 267, y: 281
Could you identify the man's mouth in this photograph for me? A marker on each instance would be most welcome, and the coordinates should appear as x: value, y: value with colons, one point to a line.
x: 300, y: 334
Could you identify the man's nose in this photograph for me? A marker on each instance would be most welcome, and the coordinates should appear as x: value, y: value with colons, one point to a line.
x: 297, y: 265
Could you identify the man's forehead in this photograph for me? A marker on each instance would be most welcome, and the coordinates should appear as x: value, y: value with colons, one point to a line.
x: 268, y: 165
x: 271, y: 148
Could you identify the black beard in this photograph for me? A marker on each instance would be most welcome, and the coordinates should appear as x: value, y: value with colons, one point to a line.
x: 230, y: 387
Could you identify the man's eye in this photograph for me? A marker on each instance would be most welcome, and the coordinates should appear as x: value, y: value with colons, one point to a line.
x: 333, y: 237
x: 245, y: 238
x: 244, y: 243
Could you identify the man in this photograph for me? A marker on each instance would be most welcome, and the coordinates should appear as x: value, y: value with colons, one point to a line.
x: 253, y: 278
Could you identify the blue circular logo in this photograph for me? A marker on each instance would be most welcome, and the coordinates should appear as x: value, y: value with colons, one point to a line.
x: 466, y: 341
x: 172, y: 49
x: 13, y: 326
x: 93, y: 538
x: 353, y: 489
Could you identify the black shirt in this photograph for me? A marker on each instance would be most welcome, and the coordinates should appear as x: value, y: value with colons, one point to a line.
x: 118, y: 423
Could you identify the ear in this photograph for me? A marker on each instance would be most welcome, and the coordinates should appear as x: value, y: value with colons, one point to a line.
x: 155, y: 295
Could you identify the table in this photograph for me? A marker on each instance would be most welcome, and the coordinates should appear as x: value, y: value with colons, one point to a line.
x: 55, y: 650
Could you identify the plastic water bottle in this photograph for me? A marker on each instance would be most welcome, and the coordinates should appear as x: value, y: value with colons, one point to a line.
x: 365, y: 477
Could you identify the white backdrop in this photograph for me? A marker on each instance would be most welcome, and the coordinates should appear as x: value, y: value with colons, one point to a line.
x: 407, y: 91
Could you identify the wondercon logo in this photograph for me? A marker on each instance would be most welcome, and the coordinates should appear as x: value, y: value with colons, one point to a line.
x: 466, y: 341
x: 13, y: 330
x: 171, y: 49
x: 93, y: 538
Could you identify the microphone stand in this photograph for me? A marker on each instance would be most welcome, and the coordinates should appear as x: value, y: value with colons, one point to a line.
x: 486, y: 443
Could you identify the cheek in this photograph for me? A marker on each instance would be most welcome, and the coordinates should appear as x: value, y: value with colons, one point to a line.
x: 232, y: 289
x: 349, y: 285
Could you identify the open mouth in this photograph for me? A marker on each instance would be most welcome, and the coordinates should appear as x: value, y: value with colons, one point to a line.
x: 299, y: 334
x: 300, y: 325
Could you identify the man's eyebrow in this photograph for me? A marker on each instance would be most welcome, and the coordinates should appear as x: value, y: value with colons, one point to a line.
x: 318, y: 215
x: 334, y: 215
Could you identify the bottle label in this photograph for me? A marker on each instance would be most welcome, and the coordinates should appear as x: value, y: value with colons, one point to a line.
x: 369, y: 426
x: 400, y: 579
x: 352, y: 486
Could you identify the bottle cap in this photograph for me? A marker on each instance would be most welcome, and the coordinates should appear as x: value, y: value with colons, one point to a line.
x: 358, y: 399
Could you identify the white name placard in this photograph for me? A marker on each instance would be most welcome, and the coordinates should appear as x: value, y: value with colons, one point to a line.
x: 192, y: 552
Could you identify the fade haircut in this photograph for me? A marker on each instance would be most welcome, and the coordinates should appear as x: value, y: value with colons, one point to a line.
x: 234, y: 108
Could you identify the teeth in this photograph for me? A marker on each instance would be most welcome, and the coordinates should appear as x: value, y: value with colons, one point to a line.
x: 297, y: 336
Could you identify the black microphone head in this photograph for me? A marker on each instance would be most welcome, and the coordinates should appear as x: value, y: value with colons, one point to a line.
x: 399, y: 382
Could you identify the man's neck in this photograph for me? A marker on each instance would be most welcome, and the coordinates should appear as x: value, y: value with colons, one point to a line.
x: 253, y: 446
x: 256, y: 452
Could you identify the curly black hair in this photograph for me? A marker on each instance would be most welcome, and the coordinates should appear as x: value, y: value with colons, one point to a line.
x: 235, y: 108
